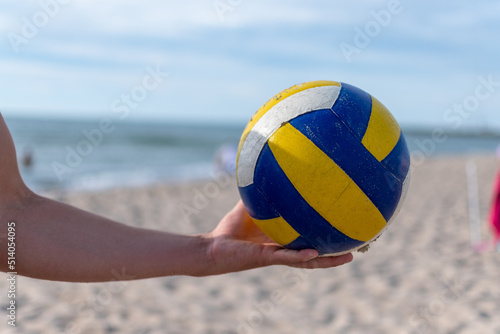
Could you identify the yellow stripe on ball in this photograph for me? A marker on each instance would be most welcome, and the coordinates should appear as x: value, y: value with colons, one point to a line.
x: 317, y: 178
x: 277, y: 229
x: 382, y: 133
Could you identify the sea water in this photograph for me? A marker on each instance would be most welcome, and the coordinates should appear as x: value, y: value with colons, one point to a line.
x: 84, y: 155
x: 89, y: 155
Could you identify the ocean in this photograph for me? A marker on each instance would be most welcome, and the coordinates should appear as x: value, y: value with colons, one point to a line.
x: 90, y: 155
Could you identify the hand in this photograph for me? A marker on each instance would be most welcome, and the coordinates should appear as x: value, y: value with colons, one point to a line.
x: 238, y: 244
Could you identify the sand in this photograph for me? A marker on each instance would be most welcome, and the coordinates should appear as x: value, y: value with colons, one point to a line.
x: 421, y: 276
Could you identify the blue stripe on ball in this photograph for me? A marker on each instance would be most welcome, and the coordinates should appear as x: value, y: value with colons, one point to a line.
x: 272, y: 181
x: 300, y: 243
x: 256, y: 204
x: 332, y: 136
x: 354, y: 107
x: 398, y: 161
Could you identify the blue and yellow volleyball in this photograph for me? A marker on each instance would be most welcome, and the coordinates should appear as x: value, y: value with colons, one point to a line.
x: 323, y: 165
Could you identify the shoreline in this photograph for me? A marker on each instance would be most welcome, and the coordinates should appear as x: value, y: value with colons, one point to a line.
x: 213, y: 176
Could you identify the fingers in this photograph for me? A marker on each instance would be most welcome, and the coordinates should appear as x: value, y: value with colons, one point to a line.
x: 325, y: 262
x: 308, y: 258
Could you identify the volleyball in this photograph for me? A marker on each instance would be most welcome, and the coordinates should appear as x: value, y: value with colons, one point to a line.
x: 323, y: 165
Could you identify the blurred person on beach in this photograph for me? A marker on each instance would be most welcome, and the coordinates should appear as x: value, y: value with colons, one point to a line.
x: 55, y: 241
x: 27, y: 157
x: 494, y: 218
x: 225, y: 159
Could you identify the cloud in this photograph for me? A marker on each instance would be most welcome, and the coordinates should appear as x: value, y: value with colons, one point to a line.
x: 98, y: 49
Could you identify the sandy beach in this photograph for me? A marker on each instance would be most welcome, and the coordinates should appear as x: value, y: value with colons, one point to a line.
x: 421, y: 276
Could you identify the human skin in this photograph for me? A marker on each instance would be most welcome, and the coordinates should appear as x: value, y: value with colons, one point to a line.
x: 55, y: 241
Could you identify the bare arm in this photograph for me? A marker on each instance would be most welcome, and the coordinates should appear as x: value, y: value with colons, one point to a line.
x: 56, y: 241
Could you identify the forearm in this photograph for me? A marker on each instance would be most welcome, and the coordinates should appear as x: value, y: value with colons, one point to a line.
x: 58, y: 242
x: 55, y: 241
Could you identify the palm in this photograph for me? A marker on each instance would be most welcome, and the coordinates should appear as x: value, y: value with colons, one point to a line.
x: 238, y: 244
x: 240, y: 226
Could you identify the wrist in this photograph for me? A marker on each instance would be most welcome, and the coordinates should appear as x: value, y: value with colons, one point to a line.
x: 203, y: 246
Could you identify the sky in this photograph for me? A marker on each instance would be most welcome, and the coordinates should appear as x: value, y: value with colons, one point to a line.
x: 430, y: 63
